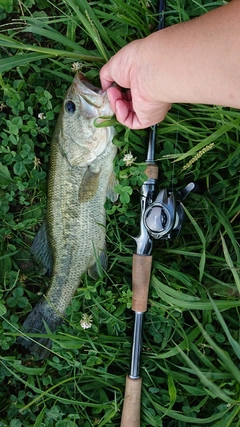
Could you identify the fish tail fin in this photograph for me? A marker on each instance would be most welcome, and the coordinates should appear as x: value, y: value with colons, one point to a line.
x: 41, y: 315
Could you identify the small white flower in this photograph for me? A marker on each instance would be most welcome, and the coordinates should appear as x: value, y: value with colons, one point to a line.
x: 41, y: 116
x: 86, y: 321
x: 2, y: 106
x: 76, y: 66
x: 129, y: 159
x: 36, y: 162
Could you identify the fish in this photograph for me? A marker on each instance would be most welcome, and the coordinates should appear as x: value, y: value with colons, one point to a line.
x: 72, y: 239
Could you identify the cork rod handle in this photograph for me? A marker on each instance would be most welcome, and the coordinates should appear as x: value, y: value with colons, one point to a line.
x: 141, y: 273
x: 132, y: 402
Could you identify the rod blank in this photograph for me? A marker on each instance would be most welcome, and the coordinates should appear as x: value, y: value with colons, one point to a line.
x: 136, y: 347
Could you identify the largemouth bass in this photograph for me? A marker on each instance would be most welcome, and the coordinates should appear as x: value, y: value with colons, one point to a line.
x: 72, y: 238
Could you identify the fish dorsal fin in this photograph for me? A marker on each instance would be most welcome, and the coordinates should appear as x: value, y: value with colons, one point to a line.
x: 111, y: 194
x: 89, y: 185
x: 41, y: 251
x: 100, y: 263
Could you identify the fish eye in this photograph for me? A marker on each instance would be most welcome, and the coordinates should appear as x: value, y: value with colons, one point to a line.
x: 70, y: 107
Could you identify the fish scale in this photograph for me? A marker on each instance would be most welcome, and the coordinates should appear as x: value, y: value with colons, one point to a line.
x: 72, y: 238
x: 79, y: 228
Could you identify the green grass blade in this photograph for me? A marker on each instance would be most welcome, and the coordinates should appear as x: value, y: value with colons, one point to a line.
x: 235, y: 345
x: 203, y: 240
x: 230, y: 264
x: 223, y: 355
x: 228, y: 419
x: 18, y: 60
x: 9, y: 42
x: 91, y: 25
x: 172, y: 292
x: 211, y: 138
x: 171, y: 390
x: 40, y: 417
x: 184, y: 301
x: 184, y: 418
x: 83, y: 380
x: 184, y: 345
x: 57, y: 37
x: 213, y: 388
x: 223, y: 219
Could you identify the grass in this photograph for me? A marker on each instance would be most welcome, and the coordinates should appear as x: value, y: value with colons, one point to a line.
x: 190, y: 357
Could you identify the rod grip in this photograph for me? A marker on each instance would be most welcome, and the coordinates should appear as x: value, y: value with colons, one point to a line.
x: 141, y: 273
x: 152, y: 171
x: 132, y: 403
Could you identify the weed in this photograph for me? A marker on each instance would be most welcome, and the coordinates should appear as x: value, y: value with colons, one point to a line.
x: 190, y: 357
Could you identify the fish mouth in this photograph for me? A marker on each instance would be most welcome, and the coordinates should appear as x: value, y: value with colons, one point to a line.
x: 89, y: 85
x: 89, y: 92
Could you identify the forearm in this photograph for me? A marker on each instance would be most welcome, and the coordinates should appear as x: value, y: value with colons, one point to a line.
x: 197, y: 61
x: 193, y: 62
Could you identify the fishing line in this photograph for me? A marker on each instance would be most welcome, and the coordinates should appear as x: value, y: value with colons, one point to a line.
x: 161, y: 24
x: 175, y: 150
x: 161, y: 11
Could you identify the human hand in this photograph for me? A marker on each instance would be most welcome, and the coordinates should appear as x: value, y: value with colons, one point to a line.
x: 190, y: 62
x: 137, y: 107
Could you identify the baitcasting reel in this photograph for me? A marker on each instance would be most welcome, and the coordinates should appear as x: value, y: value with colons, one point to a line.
x: 164, y: 218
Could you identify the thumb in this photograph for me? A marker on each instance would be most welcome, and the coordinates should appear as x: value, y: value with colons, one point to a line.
x: 106, y: 77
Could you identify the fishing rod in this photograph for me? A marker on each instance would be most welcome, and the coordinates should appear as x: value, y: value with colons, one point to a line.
x: 141, y: 273
x: 161, y: 217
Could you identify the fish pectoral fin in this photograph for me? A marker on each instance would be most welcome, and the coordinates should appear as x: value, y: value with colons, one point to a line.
x: 89, y: 185
x: 41, y: 251
x: 111, y: 194
x: 96, y: 269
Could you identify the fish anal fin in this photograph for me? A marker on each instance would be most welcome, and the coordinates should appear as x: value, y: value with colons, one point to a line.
x: 41, y: 251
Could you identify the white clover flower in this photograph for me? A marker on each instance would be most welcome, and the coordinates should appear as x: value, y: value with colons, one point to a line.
x: 129, y: 159
x: 2, y: 106
x: 76, y: 66
x: 36, y: 162
x: 86, y: 321
x: 41, y: 116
